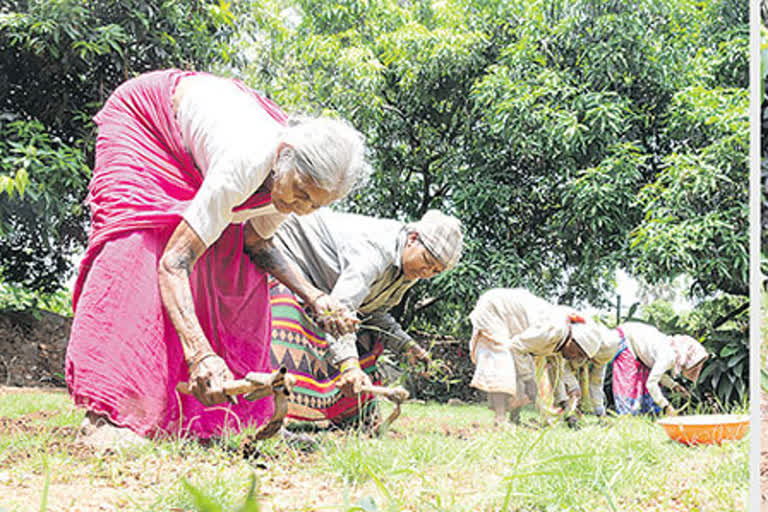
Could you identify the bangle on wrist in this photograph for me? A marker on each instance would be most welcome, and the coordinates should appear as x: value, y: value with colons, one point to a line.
x: 349, y: 364
x: 198, y: 358
x: 313, y: 298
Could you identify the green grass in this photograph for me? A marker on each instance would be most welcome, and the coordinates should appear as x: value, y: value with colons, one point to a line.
x: 435, y: 458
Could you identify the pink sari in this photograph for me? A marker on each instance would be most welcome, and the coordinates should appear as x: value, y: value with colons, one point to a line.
x: 124, y: 357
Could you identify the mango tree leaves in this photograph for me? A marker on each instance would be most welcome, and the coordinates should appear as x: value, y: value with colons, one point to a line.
x: 59, y: 60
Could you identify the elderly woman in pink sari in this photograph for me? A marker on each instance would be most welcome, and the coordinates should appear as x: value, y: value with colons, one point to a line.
x: 193, y: 175
x: 645, y: 360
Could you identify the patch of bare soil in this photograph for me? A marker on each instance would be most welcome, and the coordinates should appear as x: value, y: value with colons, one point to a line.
x: 33, y: 345
x: 27, y: 424
x: 464, y: 433
x: 58, y: 439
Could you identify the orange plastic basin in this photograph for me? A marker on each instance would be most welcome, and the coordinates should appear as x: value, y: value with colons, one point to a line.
x: 706, y: 428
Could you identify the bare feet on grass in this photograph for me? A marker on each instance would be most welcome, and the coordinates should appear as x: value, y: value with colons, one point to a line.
x: 100, y: 434
x: 502, y: 423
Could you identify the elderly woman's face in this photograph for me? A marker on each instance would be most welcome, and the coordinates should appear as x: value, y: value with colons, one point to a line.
x: 417, y: 261
x: 292, y: 193
x: 694, y: 371
x: 572, y: 351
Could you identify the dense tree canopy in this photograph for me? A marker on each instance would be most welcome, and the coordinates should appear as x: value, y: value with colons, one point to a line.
x: 572, y: 138
x: 59, y: 60
x: 764, y: 131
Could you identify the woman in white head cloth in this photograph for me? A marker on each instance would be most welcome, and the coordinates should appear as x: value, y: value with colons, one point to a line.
x: 643, y: 362
x: 367, y: 264
x: 640, y: 357
x: 591, y: 346
x: 504, y: 365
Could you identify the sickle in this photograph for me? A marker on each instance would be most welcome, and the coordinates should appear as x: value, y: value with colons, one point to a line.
x: 396, y: 395
x: 256, y: 385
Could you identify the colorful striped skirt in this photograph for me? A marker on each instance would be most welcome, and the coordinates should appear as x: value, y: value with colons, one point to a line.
x: 300, y: 345
x: 630, y: 394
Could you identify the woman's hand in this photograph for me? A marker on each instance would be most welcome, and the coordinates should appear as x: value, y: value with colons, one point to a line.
x: 333, y: 316
x: 415, y: 353
x: 670, y: 411
x: 352, y: 380
x: 681, y: 391
x: 207, y: 376
x: 572, y: 421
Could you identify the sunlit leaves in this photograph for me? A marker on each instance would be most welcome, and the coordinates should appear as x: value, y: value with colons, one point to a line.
x: 696, y: 210
x: 560, y: 132
x: 59, y: 60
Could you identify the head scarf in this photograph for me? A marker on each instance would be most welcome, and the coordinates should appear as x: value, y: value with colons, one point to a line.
x: 688, y: 352
x: 441, y: 235
x: 587, y: 336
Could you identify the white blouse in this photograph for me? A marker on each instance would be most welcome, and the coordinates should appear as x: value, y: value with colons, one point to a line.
x: 651, y: 347
x: 521, y: 321
x: 232, y: 141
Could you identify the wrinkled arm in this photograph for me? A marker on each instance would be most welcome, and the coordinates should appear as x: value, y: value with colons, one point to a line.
x: 658, y: 370
x: 341, y: 348
x: 266, y: 256
x: 596, y: 379
x: 668, y: 382
x: 329, y: 313
x: 175, y: 266
x: 561, y: 377
x: 360, y: 269
x: 570, y: 380
x: 207, y: 371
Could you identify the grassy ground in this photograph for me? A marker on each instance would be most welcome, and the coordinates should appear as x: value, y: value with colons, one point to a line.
x: 435, y: 458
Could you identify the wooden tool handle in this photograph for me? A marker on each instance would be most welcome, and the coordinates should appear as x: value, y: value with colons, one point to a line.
x: 231, y: 388
x: 397, y: 394
x: 255, y: 383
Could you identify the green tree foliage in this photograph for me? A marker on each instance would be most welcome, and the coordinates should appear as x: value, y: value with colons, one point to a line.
x: 572, y: 138
x: 764, y: 130
x: 59, y: 60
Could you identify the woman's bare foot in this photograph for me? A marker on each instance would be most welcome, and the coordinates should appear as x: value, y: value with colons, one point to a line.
x: 99, y: 433
x: 500, y: 422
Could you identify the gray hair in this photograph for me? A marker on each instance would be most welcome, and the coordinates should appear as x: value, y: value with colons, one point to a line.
x: 330, y: 152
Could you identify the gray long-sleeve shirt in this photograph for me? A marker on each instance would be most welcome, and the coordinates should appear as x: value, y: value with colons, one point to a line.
x: 357, y: 260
